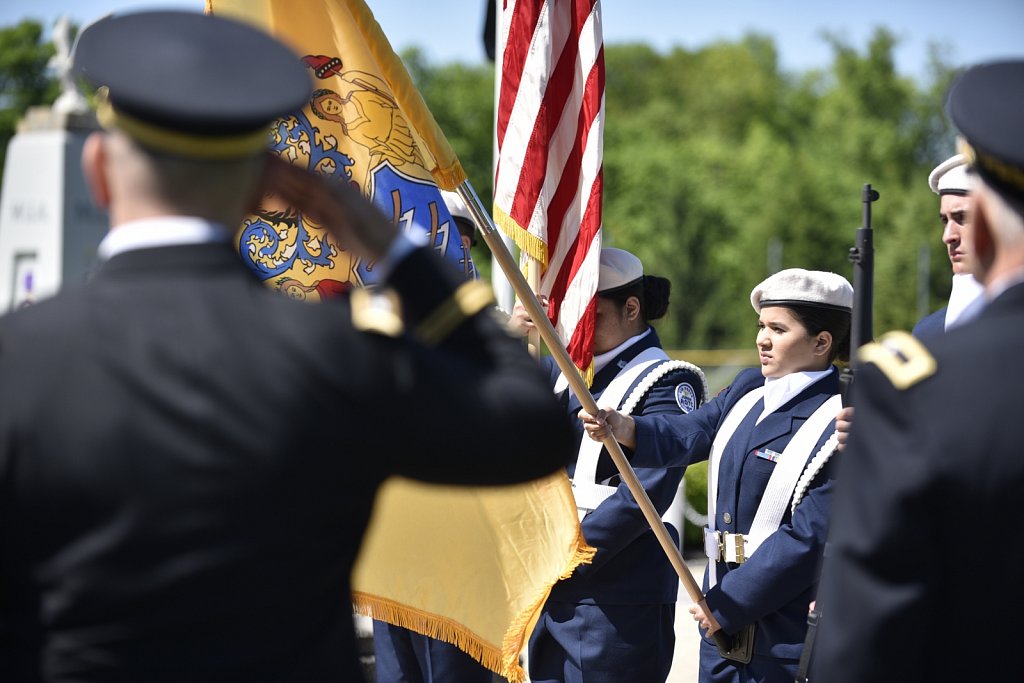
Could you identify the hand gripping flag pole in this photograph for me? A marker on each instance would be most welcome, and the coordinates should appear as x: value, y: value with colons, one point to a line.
x: 547, y: 332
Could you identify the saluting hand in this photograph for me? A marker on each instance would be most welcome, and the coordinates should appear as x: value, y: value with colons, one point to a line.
x: 609, y: 422
x: 354, y: 222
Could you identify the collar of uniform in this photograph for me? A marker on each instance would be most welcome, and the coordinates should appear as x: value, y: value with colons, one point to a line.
x: 963, y: 299
x: 163, y: 231
x: 606, y: 357
x: 1000, y: 285
x: 779, y: 391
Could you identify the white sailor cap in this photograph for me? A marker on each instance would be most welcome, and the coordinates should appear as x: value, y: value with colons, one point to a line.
x: 796, y: 286
x: 618, y: 269
x: 460, y: 213
x: 951, y: 177
x: 456, y: 206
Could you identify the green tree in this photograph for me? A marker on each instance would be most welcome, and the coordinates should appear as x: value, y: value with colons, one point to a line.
x: 24, y: 80
x: 714, y: 155
x: 735, y: 154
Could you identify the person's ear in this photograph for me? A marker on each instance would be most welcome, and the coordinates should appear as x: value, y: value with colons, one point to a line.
x: 823, y: 343
x: 94, y: 168
x: 632, y: 308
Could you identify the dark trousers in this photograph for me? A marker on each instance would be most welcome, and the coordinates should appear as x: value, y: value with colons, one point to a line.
x: 403, y: 656
x: 602, y: 643
x: 761, y: 669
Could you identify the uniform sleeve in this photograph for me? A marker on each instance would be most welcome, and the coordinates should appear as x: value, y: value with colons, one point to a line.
x: 882, y: 556
x: 459, y: 400
x: 618, y: 521
x: 785, y: 565
x: 675, y: 440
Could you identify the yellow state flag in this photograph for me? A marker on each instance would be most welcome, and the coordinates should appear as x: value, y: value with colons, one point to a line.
x: 470, y: 566
x: 365, y: 124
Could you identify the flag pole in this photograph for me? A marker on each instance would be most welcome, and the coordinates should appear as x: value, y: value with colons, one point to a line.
x: 533, y: 282
x: 449, y: 175
x: 547, y: 332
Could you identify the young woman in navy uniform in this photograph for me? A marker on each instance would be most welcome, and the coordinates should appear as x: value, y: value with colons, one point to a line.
x: 612, y: 620
x: 768, y: 438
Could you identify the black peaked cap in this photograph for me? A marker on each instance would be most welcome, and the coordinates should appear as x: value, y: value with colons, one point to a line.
x: 986, y: 104
x: 189, y: 72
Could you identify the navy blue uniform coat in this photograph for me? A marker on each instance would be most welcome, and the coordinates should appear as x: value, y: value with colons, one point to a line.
x: 932, y: 325
x: 776, y: 584
x: 629, y: 568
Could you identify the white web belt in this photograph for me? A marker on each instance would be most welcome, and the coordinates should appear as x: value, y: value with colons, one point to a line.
x: 737, y: 548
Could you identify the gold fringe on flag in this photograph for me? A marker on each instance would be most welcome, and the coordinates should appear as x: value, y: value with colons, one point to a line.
x: 528, y: 243
x: 469, y: 566
x: 503, y: 660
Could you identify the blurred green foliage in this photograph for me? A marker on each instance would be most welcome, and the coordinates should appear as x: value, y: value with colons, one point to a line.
x: 720, y: 167
x: 696, y: 479
x: 24, y: 79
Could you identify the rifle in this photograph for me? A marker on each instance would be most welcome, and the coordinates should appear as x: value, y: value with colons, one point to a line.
x: 862, y: 256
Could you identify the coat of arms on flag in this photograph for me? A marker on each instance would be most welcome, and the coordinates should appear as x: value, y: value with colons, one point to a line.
x: 352, y: 130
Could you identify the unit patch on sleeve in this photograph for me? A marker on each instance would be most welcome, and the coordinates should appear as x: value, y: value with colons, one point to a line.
x: 686, y: 398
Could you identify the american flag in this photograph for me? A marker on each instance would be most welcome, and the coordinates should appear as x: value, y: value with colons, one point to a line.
x: 550, y: 129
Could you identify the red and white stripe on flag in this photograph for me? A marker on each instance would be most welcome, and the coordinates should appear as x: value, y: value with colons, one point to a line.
x: 550, y: 127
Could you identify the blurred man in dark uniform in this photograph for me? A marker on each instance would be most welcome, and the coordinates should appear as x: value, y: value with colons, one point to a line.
x: 931, y: 486
x: 951, y: 181
x: 400, y: 654
x: 188, y: 459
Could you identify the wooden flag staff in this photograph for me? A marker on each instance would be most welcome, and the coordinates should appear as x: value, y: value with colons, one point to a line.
x: 547, y: 332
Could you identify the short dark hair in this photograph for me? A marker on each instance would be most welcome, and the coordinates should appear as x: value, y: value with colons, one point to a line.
x: 651, y: 290
x: 836, y: 322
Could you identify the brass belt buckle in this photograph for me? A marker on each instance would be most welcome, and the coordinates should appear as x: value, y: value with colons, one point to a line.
x: 738, y: 543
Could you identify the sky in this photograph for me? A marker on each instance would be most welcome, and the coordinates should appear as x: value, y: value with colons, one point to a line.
x: 450, y: 30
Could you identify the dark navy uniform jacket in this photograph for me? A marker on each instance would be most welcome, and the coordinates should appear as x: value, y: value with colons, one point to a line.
x: 932, y: 325
x: 776, y: 584
x: 630, y: 567
x: 924, y: 567
x: 188, y: 461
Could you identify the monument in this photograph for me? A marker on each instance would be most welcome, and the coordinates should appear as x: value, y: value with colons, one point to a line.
x: 49, y: 226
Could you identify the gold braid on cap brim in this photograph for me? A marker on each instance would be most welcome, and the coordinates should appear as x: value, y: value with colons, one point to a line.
x: 1010, y: 175
x: 177, y: 142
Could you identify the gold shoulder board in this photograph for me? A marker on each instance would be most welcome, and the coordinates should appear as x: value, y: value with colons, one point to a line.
x: 468, y: 300
x: 901, y: 358
x: 376, y: 311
